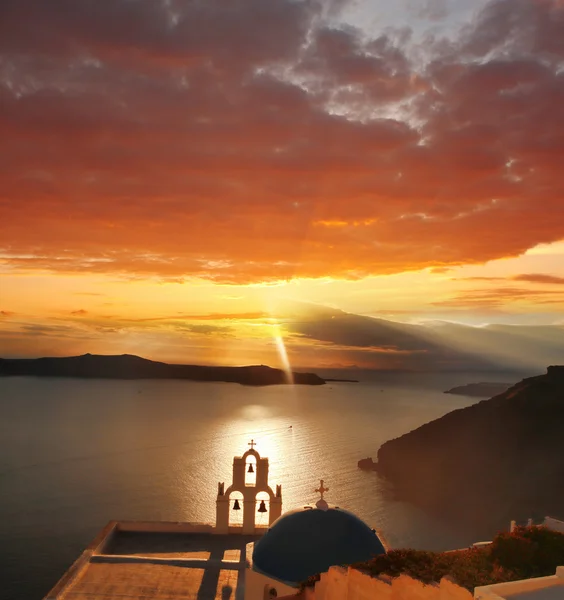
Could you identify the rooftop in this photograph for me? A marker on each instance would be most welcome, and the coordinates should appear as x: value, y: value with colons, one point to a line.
x: 554, y: 592
x: 135, y: 561
x: 305, y: 542
x: 538, y: 588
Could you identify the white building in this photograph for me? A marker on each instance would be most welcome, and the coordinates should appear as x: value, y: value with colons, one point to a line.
x: 537, y: 588
x: 225, y: 561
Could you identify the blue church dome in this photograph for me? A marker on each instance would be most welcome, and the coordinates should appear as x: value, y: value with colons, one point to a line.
x: 302, y: 543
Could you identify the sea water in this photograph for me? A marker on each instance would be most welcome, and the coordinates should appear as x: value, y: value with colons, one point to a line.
x: 75, y: 454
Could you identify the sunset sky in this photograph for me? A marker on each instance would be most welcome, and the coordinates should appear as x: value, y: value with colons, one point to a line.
x: 203, y: 181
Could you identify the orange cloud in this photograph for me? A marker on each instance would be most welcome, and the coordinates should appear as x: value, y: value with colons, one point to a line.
x: 213, y: 142
x: 244, y: 316
x: 540, y: 278
x: 366, y: 222
x: 497, y: 297
x: 440, y: 270
x: 543, y: 278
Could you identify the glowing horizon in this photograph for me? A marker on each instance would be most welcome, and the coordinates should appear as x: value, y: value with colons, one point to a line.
x: 169, y: 180
x: 235, y: 325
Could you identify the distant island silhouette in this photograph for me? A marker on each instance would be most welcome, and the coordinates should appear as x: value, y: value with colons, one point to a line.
x: 481, y: 390
x: 127, y: 366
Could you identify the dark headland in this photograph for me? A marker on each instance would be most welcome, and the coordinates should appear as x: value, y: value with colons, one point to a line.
x: 480, y: 390
x: 126, y: 366
x: 486, y: 464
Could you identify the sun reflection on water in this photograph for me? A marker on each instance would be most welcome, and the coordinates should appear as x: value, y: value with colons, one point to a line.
x: 254, y: 424
x: 306, y: 434
x: 181, y: 439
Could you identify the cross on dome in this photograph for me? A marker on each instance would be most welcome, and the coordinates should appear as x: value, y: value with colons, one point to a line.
x: 321, y: 489
x: 252, y: 444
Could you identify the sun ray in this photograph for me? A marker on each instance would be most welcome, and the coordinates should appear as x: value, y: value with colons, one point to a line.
x: 282, y: 352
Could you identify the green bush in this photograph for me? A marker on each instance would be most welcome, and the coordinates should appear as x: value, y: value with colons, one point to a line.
x: 473, y: 567
x: 428, y: 567
x: 529, y: 551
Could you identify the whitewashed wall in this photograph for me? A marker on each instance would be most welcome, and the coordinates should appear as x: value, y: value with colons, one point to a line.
x: 554, y: 524
x: 499, y: 591
x: 257, y: 587
x: 349, y: 584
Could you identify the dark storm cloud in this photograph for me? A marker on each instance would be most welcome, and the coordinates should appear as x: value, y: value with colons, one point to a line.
x: 191, y: 32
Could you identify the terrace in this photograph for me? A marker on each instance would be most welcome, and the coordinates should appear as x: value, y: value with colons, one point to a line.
x: 134, y: 561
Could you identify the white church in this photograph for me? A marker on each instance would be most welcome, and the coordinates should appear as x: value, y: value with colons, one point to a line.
x: 225, y: 561
x: 132, y: 560
x: 298, y: 544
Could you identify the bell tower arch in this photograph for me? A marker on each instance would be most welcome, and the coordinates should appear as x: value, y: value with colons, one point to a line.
x: 249, y: 490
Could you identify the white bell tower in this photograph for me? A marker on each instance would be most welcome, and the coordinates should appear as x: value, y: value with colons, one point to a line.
x: 249, y: 492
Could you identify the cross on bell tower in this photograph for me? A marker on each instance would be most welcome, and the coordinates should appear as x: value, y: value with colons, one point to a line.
x: 249, y: 491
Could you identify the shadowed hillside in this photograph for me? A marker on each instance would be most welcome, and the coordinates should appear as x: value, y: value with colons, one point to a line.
x: 497, y: 460
x: 432, y: 346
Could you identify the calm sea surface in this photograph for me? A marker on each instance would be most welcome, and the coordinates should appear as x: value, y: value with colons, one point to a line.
x: 75, y: 454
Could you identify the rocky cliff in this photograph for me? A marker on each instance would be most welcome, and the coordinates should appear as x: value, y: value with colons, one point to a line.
x: 134, y: 367
x: 497, y: 460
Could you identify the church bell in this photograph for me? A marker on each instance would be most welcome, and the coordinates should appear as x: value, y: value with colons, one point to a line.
x: 262, y: 508
x: 236, y: 505
x: 250, y: 469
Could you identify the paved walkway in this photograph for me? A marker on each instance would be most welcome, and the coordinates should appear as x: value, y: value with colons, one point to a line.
x: 157, y: 566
